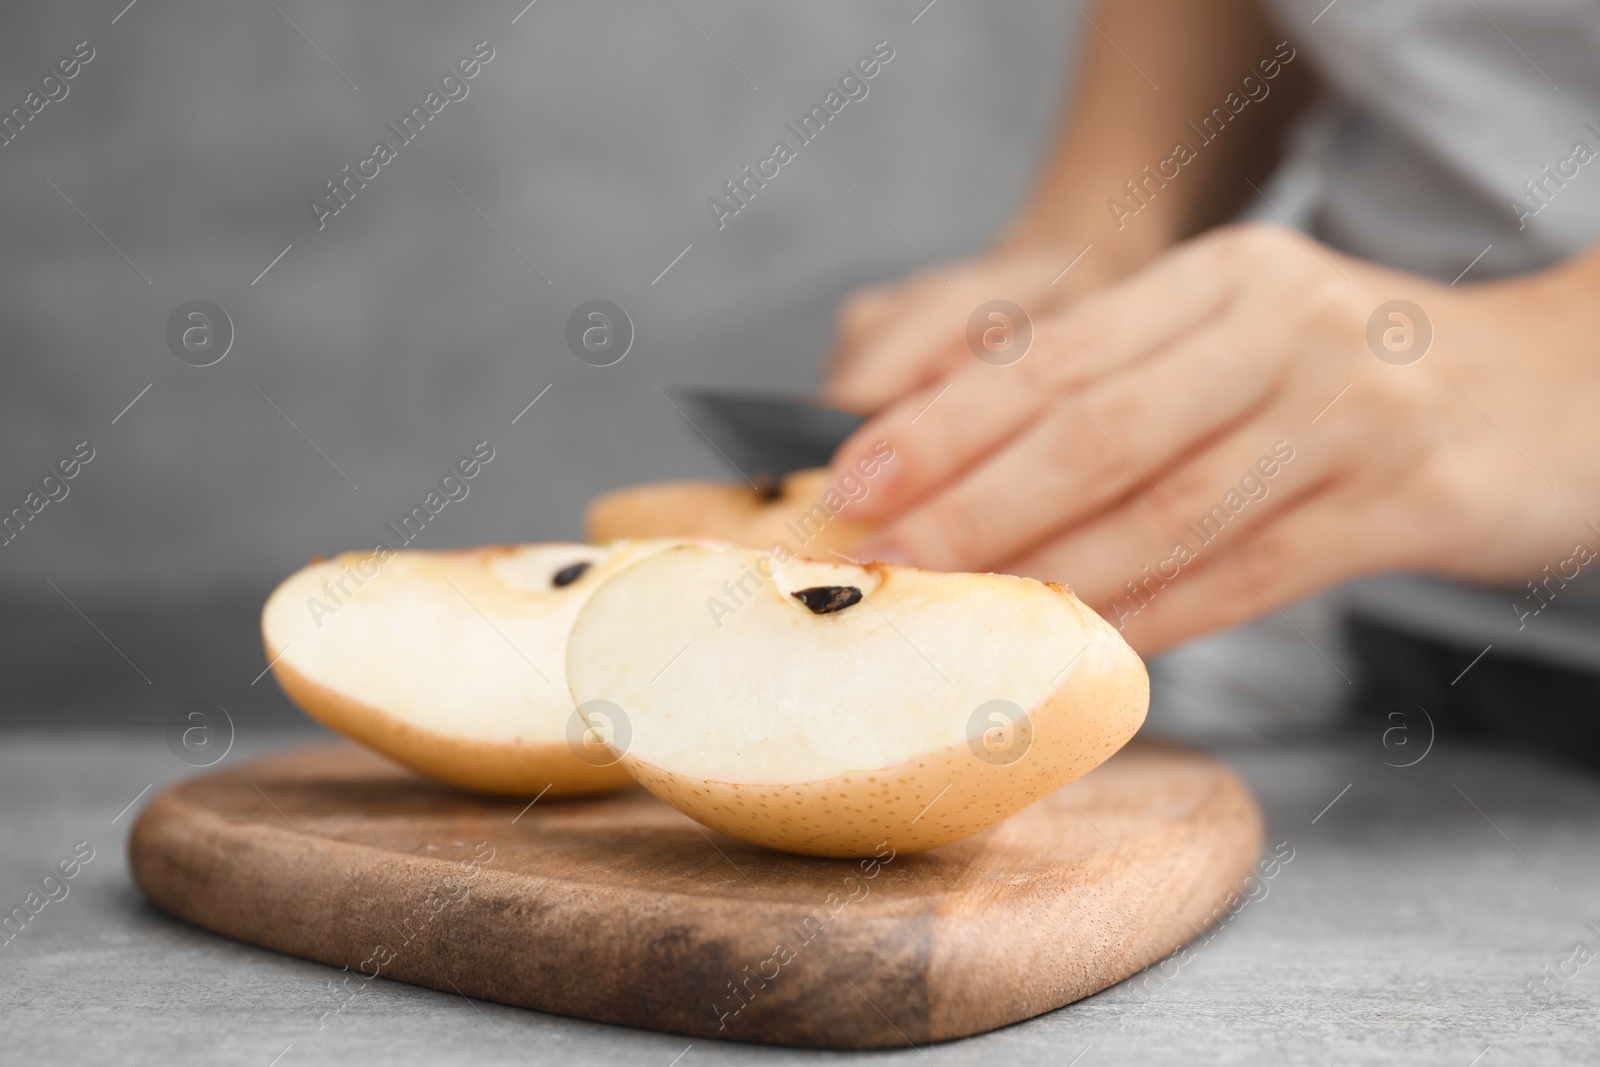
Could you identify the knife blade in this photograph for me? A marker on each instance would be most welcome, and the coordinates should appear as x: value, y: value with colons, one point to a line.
x: 766, y: 435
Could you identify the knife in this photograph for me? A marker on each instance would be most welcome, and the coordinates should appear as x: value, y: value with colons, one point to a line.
x: 766, y: 436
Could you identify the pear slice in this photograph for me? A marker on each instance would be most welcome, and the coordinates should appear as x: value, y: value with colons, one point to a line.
x: 831, y: 709
x: 801, y: 513
x: 451, y: 663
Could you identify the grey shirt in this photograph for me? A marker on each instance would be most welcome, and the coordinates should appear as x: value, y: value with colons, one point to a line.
x: 1452, y: 126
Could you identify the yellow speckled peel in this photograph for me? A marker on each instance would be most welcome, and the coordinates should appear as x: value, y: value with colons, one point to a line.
x: 451, y: 663
x: 834, y: 734
x: 732, y: 512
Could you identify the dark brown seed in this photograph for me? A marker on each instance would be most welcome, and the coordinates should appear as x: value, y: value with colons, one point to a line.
x: 768, y: 488
x: 568, y: 575
x: 827, y: 599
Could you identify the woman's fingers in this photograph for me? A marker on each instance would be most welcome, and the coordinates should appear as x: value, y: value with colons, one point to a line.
x: 1171, y: 299
x: 894, y: 339
x: 1154, y: 539
x: 935, y: 437
x: 890, y: 342
x: 947, y: 427
x: 1322, y: 541
x: 1083, y: 453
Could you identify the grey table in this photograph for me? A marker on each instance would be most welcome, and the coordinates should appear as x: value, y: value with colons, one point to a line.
x: 1417, y: 909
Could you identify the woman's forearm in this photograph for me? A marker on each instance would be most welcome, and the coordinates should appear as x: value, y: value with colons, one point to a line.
x: 1176, y: 103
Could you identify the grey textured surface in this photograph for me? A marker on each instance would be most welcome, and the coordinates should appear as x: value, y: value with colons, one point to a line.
x: 1404, y: 930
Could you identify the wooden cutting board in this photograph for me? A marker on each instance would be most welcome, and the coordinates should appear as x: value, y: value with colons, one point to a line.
x: 622, y: 910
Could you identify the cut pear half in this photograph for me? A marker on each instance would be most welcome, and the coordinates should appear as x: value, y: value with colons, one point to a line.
x: 803, y: 513
x: 451, y: 663
x: 831, y: 709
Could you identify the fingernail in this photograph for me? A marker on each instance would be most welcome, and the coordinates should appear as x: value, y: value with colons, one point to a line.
x: 886, y: 473
x: 874, y: 489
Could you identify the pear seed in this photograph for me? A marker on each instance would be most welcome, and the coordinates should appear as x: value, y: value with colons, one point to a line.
x: 827, y: 599
x: 568, y: 575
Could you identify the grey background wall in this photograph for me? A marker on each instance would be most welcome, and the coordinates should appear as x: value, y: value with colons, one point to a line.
x: 180, y: 164
x: 407, y: 329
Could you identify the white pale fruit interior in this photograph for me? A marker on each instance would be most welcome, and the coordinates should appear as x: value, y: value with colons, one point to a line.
x: 468, y: 643
x: 725, y: 676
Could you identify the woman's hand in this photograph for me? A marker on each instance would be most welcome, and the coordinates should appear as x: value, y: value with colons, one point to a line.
x: 1216, y: 436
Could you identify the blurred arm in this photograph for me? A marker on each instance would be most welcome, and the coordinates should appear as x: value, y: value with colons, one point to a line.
x: 1152, y: 72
